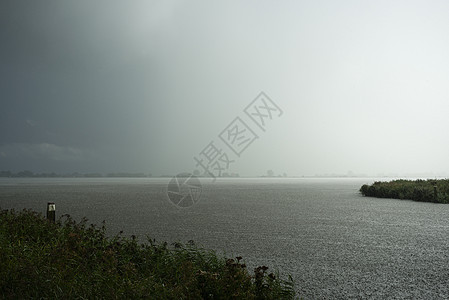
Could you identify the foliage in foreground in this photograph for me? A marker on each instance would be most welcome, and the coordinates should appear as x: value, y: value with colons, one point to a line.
x: 419, y: 190
x: 40, y: 259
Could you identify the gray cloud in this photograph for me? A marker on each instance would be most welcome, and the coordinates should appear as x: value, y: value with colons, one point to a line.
x: 146, y: 85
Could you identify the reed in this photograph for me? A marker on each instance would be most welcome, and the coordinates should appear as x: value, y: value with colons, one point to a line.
x: 68, y: 259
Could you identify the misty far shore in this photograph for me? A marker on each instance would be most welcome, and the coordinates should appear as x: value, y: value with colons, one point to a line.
x: 31, y: 174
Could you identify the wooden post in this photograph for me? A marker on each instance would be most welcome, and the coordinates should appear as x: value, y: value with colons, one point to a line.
x: 51, y: 211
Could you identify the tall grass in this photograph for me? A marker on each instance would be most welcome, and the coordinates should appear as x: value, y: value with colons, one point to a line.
x: 66, y: 259
x: 419, y: 190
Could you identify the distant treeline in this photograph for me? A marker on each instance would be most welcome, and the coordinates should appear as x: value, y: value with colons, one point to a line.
x: 430, y: 190
x: 28, y: 174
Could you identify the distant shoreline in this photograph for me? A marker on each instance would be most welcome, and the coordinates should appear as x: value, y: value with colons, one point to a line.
x: 30, y: 174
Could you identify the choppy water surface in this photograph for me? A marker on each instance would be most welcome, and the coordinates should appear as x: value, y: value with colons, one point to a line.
x: 334, y: 242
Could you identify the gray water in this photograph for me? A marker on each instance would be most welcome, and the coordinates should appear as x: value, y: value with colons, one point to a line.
x: 334, y: 242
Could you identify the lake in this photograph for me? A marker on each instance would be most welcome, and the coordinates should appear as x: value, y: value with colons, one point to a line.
x: 334, y: 242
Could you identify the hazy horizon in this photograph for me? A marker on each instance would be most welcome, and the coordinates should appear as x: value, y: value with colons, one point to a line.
x: 110, y: 86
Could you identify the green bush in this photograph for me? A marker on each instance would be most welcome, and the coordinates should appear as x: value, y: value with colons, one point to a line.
x: 419, y: 190
x: 66, y: 259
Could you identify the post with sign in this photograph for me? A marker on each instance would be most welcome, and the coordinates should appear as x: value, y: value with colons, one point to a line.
x: 51, y: 211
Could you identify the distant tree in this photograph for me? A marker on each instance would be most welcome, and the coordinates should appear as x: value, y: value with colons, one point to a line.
x: 5, y: 174
x: 270, y: 173
x: 93, y: 175
x: 25, y: 173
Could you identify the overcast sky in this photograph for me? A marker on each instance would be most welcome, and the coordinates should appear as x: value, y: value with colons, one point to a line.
x: 145, y: 86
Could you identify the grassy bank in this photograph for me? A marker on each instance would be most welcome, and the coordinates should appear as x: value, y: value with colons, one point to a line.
x: 419, y: 190
x: 66, y: 259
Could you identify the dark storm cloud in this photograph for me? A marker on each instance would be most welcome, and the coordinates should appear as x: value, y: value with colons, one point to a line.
x: 145, y: 85
x: 67, y: 69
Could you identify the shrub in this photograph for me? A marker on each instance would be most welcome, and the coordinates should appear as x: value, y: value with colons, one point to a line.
x: 66, y: 259
x: 418, y: 190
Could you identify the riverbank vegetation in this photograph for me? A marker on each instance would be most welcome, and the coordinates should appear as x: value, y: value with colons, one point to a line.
x: 419, y: 190
x: 66, y: 259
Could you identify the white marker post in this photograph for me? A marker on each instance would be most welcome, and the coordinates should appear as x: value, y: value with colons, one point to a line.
x: 51, y: 211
